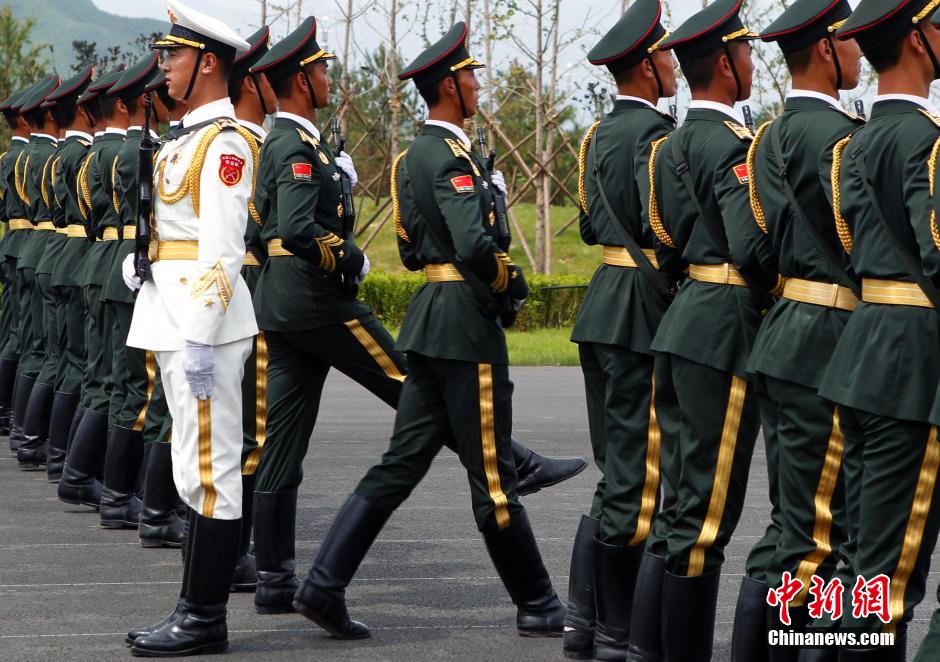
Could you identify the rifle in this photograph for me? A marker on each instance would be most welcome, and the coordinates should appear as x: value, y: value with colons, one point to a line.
x: 860, y: 108
x: 748, y: 118
x: 144, y: 196
x: 349, y: 204
x: 499, y: 199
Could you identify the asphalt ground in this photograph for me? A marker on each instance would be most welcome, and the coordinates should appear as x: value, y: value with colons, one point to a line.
x: 69, y: 590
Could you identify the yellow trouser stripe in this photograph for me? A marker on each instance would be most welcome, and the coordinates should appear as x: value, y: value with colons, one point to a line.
x: 914, y: 534
x: 151, y: 360
x: 822, y: 530
x: 205, y: 458
x: 651, y: 485
x: 488, y: 437
x: 716, y: 505
x: 375, y: 350
x: 261, y: 404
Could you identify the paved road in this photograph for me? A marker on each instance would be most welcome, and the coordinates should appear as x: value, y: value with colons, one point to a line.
x: 69, y: 589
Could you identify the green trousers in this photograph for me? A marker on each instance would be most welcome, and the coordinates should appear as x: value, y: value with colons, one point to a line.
x: 625, y: 439
x: 469, y: 402
x: 28, y: 305
x: 718, y: 421
x: 71, y: 317
x: 254, y: 390
x: 9, y: 331
x: 97, y: 352
x: 133, y: 371
x: 46, y: 326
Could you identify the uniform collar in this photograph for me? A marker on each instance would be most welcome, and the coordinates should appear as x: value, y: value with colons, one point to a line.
x: 702, y: 104
x: 910, y: 98
x: 25, y: 140
x: 453, y: 128
x: 174, y: 123
x: 254, y: 128
x: 44, y: 135
x: 210, y: 111
x: 115, y: 130
x: 813, y: 94
x: 78, y: 134
x: 140, y: 129
x: 302, y: 121
x: 627, y: 97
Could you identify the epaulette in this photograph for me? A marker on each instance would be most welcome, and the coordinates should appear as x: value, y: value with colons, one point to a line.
x: 226, y: 124
x: 933, y: 118
x: 461, y: 153
x: 852, y: 116
x: 84, y: 143
x: 740, y: 131
x: 307, y: 138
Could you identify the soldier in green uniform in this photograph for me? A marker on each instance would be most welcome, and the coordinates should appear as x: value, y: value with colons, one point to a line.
x: 458, y: 383
x: 76, y: 123
x: 306, y: 306
x: 31, y: 454
x: 80, y: 483
x: 614, y: 329
x: 700, y: 212
x: 885, y: 368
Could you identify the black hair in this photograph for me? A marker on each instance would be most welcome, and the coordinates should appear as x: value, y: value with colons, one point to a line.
x: 882, y: 55
x: 235, y: 89
x: 37, y: 117
x: 431, y: 93
x: 700, y: 71
x: 64, y: 113
x: 799, y: 61
x: 132, y: 101
x: 95, y: 110
x: 10, y: 116
x: 108, y: 106
x: 283, y: 86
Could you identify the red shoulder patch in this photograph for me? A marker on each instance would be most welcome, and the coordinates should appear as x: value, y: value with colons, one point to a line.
x: 463, y: 184
x: 303, y: 172
x: 742, y: 173
x: 230, y: 169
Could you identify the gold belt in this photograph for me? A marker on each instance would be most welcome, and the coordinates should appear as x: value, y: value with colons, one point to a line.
x: 129, y: 232
x: 617, y: 256
x: 819, y: 293
x: 62, y: 231
x: 723, y: 274
x: 177, y: 250
x: 442, y: 273
x: 77, y: 231
x: 20, y: 224
x: 276, y: 249
x: 44, y: 225
x: 109, y: 234
x: 894, y: 293
x: 251, y: 260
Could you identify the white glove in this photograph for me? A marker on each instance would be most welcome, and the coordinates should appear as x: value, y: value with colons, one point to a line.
x: 366, y: 266
x: 129, y: 271
x: 345, y: 163
x: 199, y: 366
x: 499, y: 181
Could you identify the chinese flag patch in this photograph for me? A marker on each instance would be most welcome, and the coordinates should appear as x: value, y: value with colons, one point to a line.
x: 303, y: 172
x: 463, y: 183
x: 230, y: 169
x: 742, y: 173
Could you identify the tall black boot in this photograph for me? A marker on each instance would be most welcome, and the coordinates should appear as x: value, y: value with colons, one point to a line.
x: 60, y: 424
x: 21, y: 391
x: 799, y: 618
x: 274, y: 551
x: 818, y: 655
x: 536, y: 472
x: 120, y: 507
x: 579, y: 625
x: 31, y: 455
x: 322, y: 596
x: 615, y: 575
x: 246, y: 575
x: 646, y: 643
x: 83, y: 463
x: 7, y: 386
x: 199, y: 624
x: 749, y: 637
x: 689, y: 616
x: 539, y: 612
x: 160, y: 525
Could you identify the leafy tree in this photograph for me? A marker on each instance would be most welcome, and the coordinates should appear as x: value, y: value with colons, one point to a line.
x: 87, y: 53
x: 21, y: 61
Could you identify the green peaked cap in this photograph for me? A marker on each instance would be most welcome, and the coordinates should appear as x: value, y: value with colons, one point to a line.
x: 292, y: 53
x: 805, y: 22
x: 878, y: 22
x: 446, y: 56
x: 708, y: 30
x: 633, y: 38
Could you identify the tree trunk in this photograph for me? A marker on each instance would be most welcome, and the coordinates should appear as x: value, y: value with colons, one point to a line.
x: 393, y: 82
x: 541, y: 240
x: 345, y: 82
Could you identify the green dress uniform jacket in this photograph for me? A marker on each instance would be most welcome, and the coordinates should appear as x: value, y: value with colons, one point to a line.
x: 13, y: 210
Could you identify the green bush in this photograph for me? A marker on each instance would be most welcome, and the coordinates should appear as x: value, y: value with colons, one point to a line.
x: 553, y: 300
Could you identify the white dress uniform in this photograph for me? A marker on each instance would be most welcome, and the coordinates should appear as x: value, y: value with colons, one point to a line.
x: 203, y: 183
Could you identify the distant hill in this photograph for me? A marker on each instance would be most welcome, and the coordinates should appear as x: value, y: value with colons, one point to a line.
x: 60, y: 22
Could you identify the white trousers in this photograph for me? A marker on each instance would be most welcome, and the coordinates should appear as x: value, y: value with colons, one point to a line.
x: 207, y: 434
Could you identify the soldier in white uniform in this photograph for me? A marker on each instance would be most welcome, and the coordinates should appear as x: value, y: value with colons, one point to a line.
x: 196, y: 314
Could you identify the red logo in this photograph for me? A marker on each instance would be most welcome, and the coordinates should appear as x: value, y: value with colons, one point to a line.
x: 463, y: 184
x: 230, y: 169
x: 303, y: 172
x: 742, y: 173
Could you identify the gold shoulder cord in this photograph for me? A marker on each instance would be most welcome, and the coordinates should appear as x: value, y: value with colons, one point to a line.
x: 43, y: 189
x: 582, y: 165
x: 252, y: 211
x: 396, y: 206
x: 199, y: 158
x: 115, y: 202
x: 932, y: 172
x: 656, y: 222
x: 52, y: 178
x: 84, y: 192
x: 756, y: 207
x: 19, y: 179
x: 842, y: 228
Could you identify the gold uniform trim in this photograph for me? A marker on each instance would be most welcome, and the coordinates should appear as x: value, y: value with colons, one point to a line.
x: 819, y: 293
x: 743, y: 32
x: 932, y: 175
x: 500, y: 282
x: 75, y: 231
x: 375, y: 350
x: 396, y: 205
x: 62, y: 231
x: 894, y: 293
x: 756, y: 207
x: 617, y: 256
x: 204, y: 421
x: 326, y: 243
x: 129, y: 232
x: 722, y: 274
x: 652, y: 49
x: 842, y: 228
x: 656, y: 221
x: 719, y: 495
x: 276, y: 249
x: 82, y: 188
x: 319, y: 55
x: 44, y: 225
x: 469, y: 62
x: 914, y: 533
x: 442, y: 273
x: 151, y: 363
x: 176, y: 250
x: 173, y: 40
x: 926, y: 11
x: 250, y: 260
x: 488, y: 439
x: 582, y: 165
x: 822, y: 529
x: 110, y: 234
x: 651, y: 483
x: 216, y: 278
x: 20, y: 224
x: 19, y: 178
x: 115, y: 201
x: 52, y: 180
x: 261, y: 404
x: 43, y: 178
x: 462, y: 151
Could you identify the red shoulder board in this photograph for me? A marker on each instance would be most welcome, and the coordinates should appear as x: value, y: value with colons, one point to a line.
x: 742, y: 173
x: 303, y: 172
x: 463, y: 184
x: 230, y: 169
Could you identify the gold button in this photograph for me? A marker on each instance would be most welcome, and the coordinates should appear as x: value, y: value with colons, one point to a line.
x: 183, y: 281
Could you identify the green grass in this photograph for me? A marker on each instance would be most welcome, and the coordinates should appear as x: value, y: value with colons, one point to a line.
x: 542, y: 347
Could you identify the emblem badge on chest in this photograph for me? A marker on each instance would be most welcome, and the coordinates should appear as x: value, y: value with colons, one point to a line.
x: 323, y: 158
x: 230, y: 169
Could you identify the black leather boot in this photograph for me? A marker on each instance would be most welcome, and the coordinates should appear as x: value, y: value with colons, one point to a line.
x: 199, y: 625
x: 799, y: 617
x: 579, y: 624
x: 120, y: 507
x: 535, y: 472
x: 274, y: 551
x: 646, y: 643
x: 21, y: 391
x: 60, y: 424
x: 31, y: 455
x: 246, y: 575
x: 539, y: 612
x: 689, y: 616
x: 322, y: 596
x: 79, y: 484
x: 896, y: 653
x: 749, y: 637
x: 615, y: 574
x: 160, y: 525
x: 818, y: 655
x: 7, y: 386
